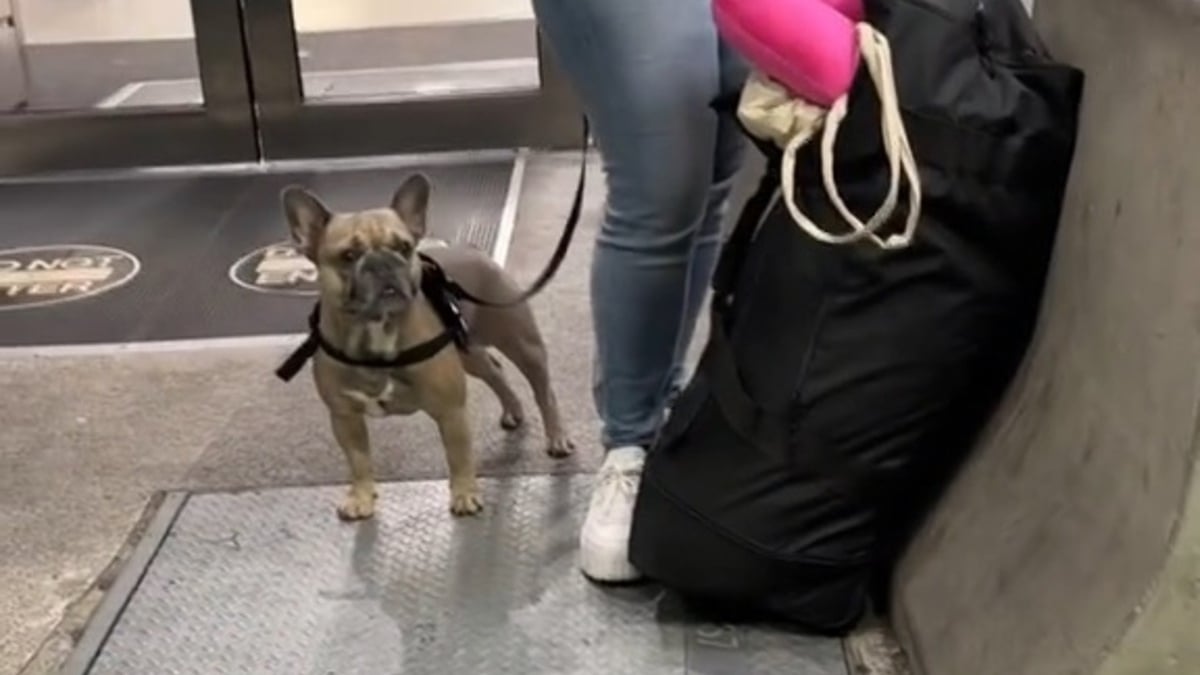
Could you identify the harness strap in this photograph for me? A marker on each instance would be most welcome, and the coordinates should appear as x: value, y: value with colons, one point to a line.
x: 316, y: 342
x: 435, y: 286
x: 295, y: 361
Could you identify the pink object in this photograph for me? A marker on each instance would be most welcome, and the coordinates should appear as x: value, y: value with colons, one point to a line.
x: 851, y: 9
x: 808, y: 46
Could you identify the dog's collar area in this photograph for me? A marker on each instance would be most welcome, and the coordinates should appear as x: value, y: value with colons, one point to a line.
x: 316, y: 342
x: 441, y: 293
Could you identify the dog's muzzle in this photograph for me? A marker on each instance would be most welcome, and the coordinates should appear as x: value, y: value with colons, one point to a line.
x: 381, y: 285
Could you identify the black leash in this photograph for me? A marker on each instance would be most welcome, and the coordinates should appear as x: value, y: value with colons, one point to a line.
x: 443, y: 293
x: 560, y: 250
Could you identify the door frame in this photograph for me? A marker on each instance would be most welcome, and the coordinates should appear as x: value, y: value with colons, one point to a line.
x: 289, y: 128
x: 221, y: 130
x: 254, y: 110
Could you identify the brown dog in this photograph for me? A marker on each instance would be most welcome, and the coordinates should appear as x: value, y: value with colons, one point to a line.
x: 372, y: 308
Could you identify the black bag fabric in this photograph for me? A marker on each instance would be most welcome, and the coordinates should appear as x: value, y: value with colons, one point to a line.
x: 841, y: 386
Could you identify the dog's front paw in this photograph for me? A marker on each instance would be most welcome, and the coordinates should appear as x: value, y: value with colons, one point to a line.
x: 465, y: 502
x: 358, y: 505
x: 511, y: 421
x: 560, y: 446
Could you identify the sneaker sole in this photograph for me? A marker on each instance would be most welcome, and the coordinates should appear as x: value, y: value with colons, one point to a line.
x: 640, y: 580
x: 606, y: 569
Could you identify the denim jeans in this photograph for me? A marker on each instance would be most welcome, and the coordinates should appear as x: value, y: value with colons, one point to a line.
x: 645, y: 72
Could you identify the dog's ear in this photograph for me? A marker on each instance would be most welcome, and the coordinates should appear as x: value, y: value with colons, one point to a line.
x: 306, y: 217
x: 411, y: 203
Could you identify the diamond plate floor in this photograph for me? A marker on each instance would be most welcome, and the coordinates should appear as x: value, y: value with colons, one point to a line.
x: 270, y: 582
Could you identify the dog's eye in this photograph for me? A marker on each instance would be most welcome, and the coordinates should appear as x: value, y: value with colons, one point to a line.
x: 404, y: 248
x: 350, y: 255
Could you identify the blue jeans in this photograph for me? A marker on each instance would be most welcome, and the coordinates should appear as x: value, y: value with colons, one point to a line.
x: 646, y: 71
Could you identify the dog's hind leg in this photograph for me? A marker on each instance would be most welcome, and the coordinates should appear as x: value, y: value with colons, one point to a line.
x: 478, y: 362
x: 528, y: 354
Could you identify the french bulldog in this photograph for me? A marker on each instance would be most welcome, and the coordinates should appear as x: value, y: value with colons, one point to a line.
x: 372, y: 307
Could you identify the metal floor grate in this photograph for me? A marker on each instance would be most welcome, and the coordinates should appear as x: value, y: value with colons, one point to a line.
x: 271, y: 582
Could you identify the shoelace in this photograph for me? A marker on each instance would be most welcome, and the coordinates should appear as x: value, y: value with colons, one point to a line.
x: 615, y: 484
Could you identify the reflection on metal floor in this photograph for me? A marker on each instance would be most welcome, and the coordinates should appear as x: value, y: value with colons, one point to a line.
x: 270, y: 581
x: 176, y: 257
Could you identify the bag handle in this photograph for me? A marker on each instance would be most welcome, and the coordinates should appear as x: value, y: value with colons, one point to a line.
x: 877, y: 56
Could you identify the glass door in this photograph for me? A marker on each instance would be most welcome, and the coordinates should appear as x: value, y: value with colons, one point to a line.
x: 101, y: 84
x: 371, y: 77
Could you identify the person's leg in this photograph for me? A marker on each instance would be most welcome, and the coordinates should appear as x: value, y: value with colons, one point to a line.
x: 730, y: 146
x: 646, y: 72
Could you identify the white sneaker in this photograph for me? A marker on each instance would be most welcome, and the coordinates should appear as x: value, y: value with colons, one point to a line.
x: 604, y: 540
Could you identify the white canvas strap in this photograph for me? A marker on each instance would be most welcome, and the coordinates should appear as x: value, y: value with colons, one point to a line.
x: 772, y: 113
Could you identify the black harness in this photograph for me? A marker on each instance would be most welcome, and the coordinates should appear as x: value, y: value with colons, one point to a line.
x: 438, y: 291
x: 443, y: 294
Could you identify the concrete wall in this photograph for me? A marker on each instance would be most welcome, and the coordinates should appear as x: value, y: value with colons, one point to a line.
x: 1071, y: 543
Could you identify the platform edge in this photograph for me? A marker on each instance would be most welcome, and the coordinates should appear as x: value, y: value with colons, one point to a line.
x: 508, y: 214
x: 108, y: 612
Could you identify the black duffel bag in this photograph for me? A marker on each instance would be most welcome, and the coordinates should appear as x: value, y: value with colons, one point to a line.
x: 842, y: 385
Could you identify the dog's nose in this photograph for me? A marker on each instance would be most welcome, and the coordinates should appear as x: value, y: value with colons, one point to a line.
x: 374, y: 263
x: 381, y: 278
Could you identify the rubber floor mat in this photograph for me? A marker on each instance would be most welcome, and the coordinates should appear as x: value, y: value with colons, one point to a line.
x: 271, y: 582
x: 185, y: 257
